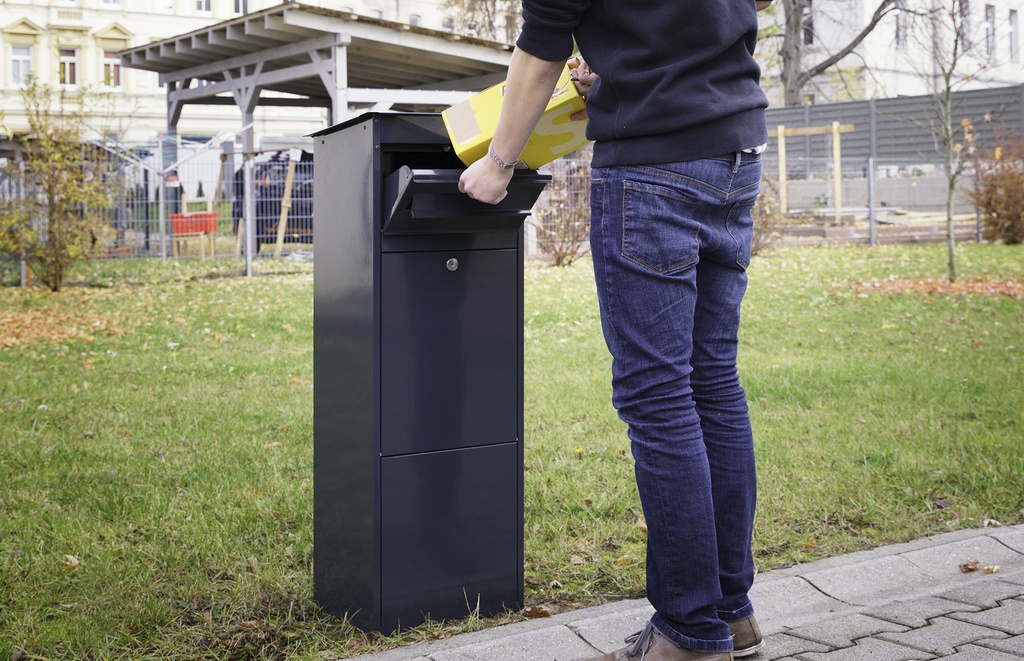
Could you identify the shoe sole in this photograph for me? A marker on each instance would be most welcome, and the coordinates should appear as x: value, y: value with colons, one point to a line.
x: 748, y: 651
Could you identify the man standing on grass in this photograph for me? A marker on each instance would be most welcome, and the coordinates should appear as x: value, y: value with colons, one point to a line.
x: 677, y: 116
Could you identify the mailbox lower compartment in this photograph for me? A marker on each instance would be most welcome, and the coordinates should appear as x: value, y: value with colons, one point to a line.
x: 449, y: 533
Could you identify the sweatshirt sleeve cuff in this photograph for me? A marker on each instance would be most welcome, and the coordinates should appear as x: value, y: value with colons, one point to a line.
x: 549, y: 45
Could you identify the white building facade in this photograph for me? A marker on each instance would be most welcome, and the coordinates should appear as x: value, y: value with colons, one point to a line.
x: 907, y: 52
x: 74, y: 45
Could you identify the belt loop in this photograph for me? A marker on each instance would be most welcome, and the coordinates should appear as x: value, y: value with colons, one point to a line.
x: 736, y: 162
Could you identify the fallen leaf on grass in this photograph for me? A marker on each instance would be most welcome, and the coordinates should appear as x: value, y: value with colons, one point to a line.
x: 70, y: 562
x: 576, y: 560
x: 641, y: 523
x: 940, y: 503
x: 271, y: 446
x: 249, y: 624
x: 969, y: 566
x: 534, y: 612
x: 18, y: 653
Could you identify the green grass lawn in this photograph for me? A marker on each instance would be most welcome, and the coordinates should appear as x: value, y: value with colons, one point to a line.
x: 156, y: 441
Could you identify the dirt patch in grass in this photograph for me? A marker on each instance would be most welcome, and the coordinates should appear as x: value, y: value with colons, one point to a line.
x: 928, y: 286
x: 18, y: 328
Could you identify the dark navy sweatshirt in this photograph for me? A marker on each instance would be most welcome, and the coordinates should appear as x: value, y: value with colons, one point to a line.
x: 677, y: 78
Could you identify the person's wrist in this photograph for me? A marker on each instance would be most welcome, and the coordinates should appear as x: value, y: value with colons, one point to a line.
x: 501, y: 163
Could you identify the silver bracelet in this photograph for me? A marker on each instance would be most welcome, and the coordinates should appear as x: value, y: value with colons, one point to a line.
x: 497, y: 159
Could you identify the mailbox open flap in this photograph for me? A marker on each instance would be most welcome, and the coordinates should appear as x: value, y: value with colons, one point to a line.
x: 429, y: 201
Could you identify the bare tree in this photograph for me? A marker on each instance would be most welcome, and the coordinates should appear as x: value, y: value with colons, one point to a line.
x: 798, y: 30
x: 955, y: 61
x: 497, y: 20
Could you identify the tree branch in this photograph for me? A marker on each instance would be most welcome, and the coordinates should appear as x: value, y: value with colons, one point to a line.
x: 884, y: 7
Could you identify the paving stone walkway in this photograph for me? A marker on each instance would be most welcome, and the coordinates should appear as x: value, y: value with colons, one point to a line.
x: 907, y: 602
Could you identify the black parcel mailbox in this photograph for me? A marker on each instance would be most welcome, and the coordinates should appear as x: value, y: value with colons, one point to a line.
x: 418, y: 354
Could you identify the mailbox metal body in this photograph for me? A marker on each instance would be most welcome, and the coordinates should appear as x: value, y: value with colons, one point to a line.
x: 418, y: 358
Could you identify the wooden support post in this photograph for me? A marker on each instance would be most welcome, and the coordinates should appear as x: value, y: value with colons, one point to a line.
x: 783, y: 201
x: 837, y: 170
x: 286, y: 205
x: 781, y: 133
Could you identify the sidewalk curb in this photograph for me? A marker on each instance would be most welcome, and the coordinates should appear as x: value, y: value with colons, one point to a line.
x: 833, y: 589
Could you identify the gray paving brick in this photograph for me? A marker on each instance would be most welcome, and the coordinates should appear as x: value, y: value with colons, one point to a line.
x: 976, y: 653
x: 558, y: 643
x: 942, y: 636
x: 986, y: 592
x: 873, y: 581
x: 1011, y: 538
x: 871, y: 649
x: 918, y: 612
x: 843, y: 631
x: 607, y: 633
x: 781, y: 645
x: 1012, y: 577
x: 789, y: 602
x: 1008, y: 618
x: 944, y: 560
x: 1014, y: 645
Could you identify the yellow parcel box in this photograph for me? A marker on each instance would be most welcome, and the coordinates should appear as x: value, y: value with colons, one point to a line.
x: 471, y: 125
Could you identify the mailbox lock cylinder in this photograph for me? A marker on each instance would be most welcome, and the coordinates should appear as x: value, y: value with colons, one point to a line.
x: 452, y: 264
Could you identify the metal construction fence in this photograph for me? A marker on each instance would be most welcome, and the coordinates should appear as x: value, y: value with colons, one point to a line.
x: 195, y: 205
x: 191, y: 202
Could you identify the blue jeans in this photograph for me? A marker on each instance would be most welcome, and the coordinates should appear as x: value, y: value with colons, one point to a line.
x: 670, y: 246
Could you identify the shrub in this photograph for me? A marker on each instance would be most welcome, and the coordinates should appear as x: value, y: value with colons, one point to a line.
x: 999, y: 192
x: 562, y: 220
x: 768, y: 216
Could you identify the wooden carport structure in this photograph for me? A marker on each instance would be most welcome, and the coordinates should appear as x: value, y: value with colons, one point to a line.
x: 295, y: 55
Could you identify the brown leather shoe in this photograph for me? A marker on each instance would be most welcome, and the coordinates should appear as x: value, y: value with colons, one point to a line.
x: 649, y: 645
x: 746, y: 637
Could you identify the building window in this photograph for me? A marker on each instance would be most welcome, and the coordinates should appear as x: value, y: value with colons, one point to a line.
x: 1014, y: 37
x: 68, y: 67
x: 241, y: 6
x: 448, y: 24
x: 111, y: 4
x: 902, y: 24
x: 807, y: 25
x: 415, y: 20
x: 964, y: 16
x: 21, y: 65
x: 111, y: 70
x: 203, y: 6
x: 990, y: 30
x: 472, y: 28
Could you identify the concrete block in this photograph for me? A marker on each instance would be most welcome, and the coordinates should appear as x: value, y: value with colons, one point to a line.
x: 1014, y: 645
x: 918, y: 612
x: 942, y: 636
x: 978, y: 653
x: 986, y: 592
x: 844, y: 631
x: 1008, y: 618
x: 1013, y: 538
x: 782, y: 645
x: 873, y: 581
x: 789, y: 602
x: 870, y: 649
x: 607, y: 633
x: 945, y: 560
x: 558, y: 644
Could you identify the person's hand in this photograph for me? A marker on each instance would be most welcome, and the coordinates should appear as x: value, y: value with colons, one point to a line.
x: 485, y: 181
x: 583, y: 78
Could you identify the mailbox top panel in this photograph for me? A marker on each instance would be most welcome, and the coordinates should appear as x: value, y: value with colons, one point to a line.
x: 398, y: 127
